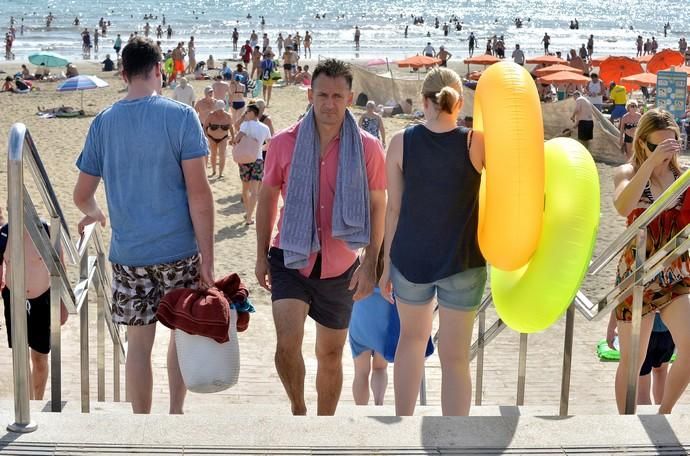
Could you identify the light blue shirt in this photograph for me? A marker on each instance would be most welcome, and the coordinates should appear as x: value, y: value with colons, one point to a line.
x: 137, y: 147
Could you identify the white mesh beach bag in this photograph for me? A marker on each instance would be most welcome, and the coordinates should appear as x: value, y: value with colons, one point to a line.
x: 206, y: 365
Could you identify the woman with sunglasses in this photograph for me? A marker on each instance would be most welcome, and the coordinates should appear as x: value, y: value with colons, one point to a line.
x: 652, y: 169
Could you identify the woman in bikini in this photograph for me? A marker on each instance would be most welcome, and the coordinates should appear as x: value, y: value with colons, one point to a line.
x: 652, y: 169
x: 627, y: 127
x: 237, y: 102
x: 218, y: 128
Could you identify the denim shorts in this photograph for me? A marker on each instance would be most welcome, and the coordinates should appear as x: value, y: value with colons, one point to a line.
x: 462, y: 291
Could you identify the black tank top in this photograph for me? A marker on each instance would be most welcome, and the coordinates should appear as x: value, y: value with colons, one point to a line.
x: 436, y: 235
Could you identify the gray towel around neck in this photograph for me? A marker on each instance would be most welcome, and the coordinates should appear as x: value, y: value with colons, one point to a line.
x: 351, y: 217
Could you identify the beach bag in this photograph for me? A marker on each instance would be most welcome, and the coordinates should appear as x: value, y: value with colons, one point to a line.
x: 245, y: 151
x: 258, y: 88
x: 275, y: 73
x: 206, y: 365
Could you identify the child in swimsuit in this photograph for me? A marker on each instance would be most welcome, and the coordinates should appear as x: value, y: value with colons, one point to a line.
x: 652, y: 169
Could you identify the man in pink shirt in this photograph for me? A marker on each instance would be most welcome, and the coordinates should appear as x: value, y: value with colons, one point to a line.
x: 333, y: 278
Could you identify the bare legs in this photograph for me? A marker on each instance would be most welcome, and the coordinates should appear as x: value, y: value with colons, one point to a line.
x: 364, y: 364
x: 267, y: 93
x: 218, y: 153
x: 329, y: 371
x: 455, y: 333
x: 288, y: 317
x: 213, y: 146
x: 250, y: 195
x: 222, y: 149
x: 676, y: 316
x: 138, y: 372
x: 415, y: 328
x: 39, y: 374
x: 177, y: 388
x: 624, y: 339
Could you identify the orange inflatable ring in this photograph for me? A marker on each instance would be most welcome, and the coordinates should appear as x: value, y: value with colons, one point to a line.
x: 508, y: 113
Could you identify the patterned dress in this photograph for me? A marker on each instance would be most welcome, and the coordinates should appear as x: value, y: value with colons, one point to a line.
x: 672, y: 281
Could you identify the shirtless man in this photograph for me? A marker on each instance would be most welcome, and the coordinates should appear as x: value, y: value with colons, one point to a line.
x: 307, y: 44
x: 204, y: 106
x: 444, y: 56
x: 256, y: 62
x: 37, y: 281
x: 290, y: 59
x: 583, y: 118
x: 220, y: 90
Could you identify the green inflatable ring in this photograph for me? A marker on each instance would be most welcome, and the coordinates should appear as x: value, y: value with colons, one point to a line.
x: 532, y: 298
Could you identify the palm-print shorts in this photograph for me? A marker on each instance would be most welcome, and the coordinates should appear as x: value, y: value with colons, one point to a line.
x: 137, y: 291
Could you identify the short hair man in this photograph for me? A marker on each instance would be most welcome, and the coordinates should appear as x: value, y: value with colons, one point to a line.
x: 150, y: 152
x: 329, y: 276
x: 583, y: 118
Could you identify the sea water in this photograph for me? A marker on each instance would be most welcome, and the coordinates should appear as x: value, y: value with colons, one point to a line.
x: 615, y: 25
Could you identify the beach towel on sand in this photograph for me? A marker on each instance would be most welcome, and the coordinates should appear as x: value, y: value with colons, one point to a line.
x: 299, y: 237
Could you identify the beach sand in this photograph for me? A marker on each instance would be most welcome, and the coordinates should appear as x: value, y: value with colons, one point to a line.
x: 60, y: 141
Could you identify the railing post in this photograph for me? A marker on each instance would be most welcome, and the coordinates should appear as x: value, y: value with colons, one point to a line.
x: 84, y: 336
x: 55, y: 328
x: 567, y: 359
x: 633, y: 368
x: 100, y: 329
x: 522, y: 369
x: 20, y: 341
x: 481, y: 329
x: 116, y: 373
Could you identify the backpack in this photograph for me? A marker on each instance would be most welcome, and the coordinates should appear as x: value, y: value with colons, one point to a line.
x: 267, y: 69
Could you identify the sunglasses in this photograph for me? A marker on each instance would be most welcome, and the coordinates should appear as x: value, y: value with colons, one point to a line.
x: 651, y: 146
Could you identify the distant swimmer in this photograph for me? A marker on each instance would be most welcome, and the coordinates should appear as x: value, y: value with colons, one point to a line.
x: 76, y: 21
x: 547, y: 41
x: 358, y: 34
x: 472, y: 43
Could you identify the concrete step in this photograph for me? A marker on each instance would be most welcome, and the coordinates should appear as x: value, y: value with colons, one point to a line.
x: 222, y: 409
x: 110, y: 433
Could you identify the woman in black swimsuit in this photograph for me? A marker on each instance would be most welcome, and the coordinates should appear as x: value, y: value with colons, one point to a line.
x: 218, y: 128
x: 627, y: 127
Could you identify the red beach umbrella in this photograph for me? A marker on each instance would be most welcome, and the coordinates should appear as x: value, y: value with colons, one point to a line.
x: 615, y: 68
x: 664, y: 60
x: 546, y: 60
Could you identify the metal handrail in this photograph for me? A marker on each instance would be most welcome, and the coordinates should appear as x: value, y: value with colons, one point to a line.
x: 645, y: 269
x: 93, y: 272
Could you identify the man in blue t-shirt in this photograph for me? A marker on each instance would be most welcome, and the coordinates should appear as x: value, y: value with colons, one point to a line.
x: 150, y: 152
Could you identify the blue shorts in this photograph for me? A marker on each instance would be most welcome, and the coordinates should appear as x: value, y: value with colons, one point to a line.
x: 618, y: 112
x: 462, y: 291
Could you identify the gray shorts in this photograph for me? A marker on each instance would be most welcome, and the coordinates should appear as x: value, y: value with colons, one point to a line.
x: 462, y: 291
x: 137, y: 291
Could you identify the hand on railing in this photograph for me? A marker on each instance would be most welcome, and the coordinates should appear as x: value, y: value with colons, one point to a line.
x: 88, y: 220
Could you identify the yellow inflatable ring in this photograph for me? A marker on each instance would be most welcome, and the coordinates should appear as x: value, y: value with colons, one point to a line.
x: 507, y: 111
x: 534, y: 297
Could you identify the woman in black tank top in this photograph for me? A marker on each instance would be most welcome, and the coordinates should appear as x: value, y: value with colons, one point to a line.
x: 431, y: 248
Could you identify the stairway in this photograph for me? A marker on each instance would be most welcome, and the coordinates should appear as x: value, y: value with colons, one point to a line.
x: 111, y: 429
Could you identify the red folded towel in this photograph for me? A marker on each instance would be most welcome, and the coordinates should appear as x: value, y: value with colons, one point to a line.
x: 205, y: 312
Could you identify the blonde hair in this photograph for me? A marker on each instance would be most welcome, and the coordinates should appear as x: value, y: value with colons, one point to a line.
x: 443, y: 87
x: 651, y: 121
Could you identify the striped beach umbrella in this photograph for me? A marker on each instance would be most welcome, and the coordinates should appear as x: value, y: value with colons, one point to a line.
x: 81, y: 83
